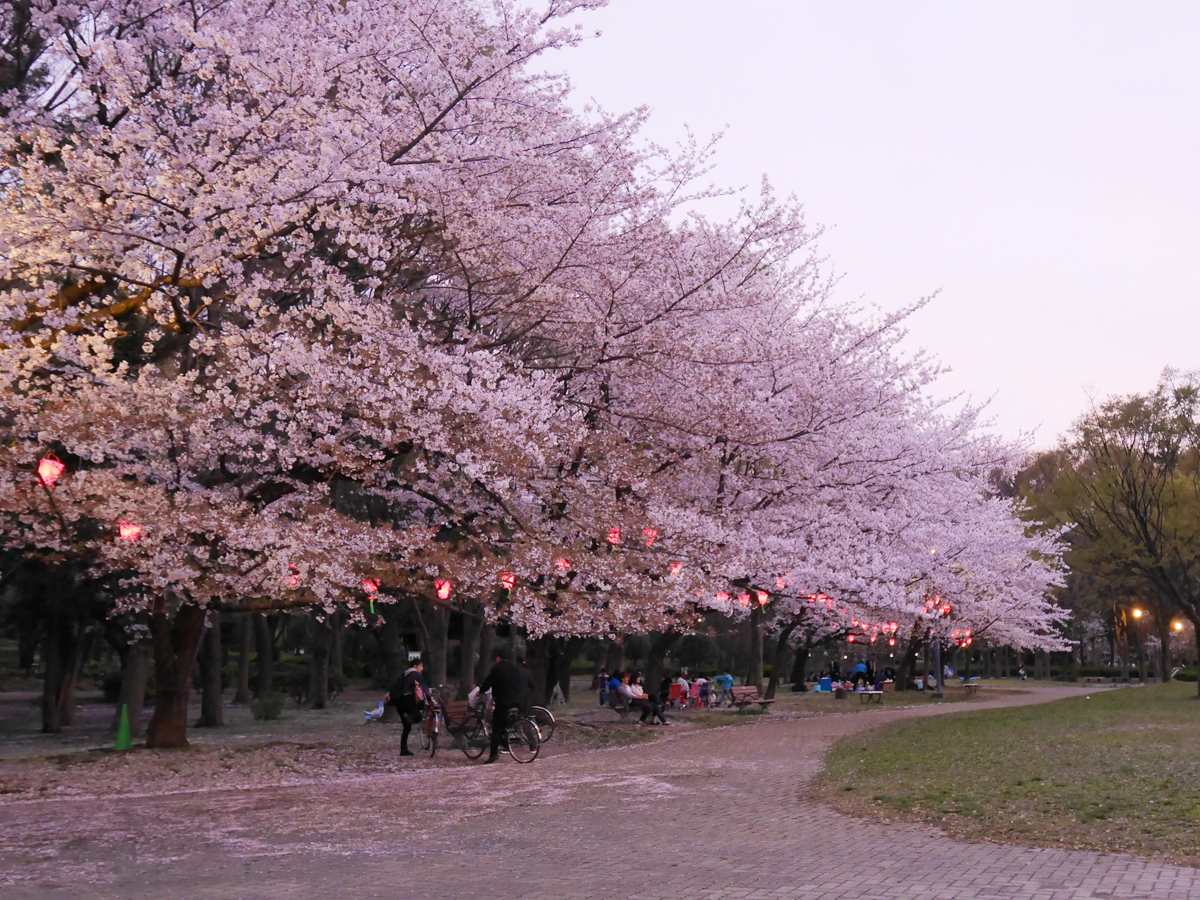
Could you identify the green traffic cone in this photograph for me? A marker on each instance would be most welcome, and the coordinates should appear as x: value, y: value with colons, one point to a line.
x: 124, y: 741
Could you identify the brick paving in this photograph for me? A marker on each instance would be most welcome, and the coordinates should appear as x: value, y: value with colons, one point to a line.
x: 713, y: 814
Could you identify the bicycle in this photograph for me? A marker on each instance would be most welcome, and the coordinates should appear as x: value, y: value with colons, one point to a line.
x: 433, y: 723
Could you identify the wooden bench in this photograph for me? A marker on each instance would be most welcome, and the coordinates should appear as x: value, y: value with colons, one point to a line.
x: 744, y: 696
x: 971, y: 688
x: 871, y: 696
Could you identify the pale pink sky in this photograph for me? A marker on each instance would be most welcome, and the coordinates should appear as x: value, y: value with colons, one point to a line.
x: 1038, y: 163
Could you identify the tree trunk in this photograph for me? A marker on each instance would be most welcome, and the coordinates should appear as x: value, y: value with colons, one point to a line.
x: 320, y: 637
x: 394, y: 661
x: 211, y: 713
x: 754, y: 673
x: 616, y: 656
x: 245, y: 626
x: 540, y: 653
x: 437, y: 622
x: 799, y: 667
x: 781, y: 649
x: 904, y: 672
x: 570, y: 651
x: 655, y: 658
x: 472, y: 624
x: 337, y: 625
x: 1164, y: 638
x: 264, y: 645
x: 175, y: 644
x: 135, y: 673
x: 64, y: 651
x: 486, y: 637
x: 1141, y: 659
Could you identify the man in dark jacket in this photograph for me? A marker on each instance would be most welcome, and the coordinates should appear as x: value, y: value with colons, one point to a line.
x: 510, y: 687
x: 409, y: 696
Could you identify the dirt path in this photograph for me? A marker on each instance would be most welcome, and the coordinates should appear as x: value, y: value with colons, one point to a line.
x: 714, y: 814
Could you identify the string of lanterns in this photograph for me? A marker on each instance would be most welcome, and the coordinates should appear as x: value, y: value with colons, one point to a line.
x: 50, y: 469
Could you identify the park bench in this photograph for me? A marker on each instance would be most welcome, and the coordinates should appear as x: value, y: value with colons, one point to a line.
x: 744, y: 696
x: 972, y: 688
x: 871, y: 696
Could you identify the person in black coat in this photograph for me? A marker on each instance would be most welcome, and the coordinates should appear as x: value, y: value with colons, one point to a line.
x: 509, y: 684
x: 409, y: 696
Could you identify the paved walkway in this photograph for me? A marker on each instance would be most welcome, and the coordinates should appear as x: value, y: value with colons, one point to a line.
x: 716, y: 814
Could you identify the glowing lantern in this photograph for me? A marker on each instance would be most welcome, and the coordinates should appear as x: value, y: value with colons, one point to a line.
x: 722, y: 597
x: 129, y: 531
x: 676, y: 567
x: 763, y: 597
x: 945, y: 610
x: 850, y: 639
x: 744, y: 599
x: 562, y: 563
x: 650, y: 533
x: 49, y: 469
x: 780, y: 583
x: 812, y: 598
x: 370, y: 585
x: 891, y: 642
x: 508, y: 580
x: 614, y: 536
x: 854, y: 622
x: 294, y: 578
x: 443, y: 588
x: 872, y: 639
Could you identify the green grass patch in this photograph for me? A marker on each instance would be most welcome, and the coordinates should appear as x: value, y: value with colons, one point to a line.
x: 1117, y: 771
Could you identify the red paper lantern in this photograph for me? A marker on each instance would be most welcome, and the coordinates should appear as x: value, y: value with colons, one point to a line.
x: 294, y: 578
x: 443, y: 588
x: 49, y: 469
x: 891, y: 642
x: 780, y: 584
x: 370, y: 585
x: 676, y: 567
x: 562, y: 563
x: 508, y: 579
x: 763, y: 597
x: 744, y: 599
x: 850, y: 639
x: 129, y: 531
x: 722, y: 597
x: 651, y: 536
x: 872, y: 639
x: 614, y: 536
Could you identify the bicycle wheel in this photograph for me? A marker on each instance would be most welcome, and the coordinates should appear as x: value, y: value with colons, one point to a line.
x: 424, y: 730
x: 435, y: 726
x: 545, y: 723
x: 475, y: 737
x: 523, y: 741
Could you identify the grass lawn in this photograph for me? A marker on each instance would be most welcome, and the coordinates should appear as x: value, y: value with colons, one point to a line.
x: 1116, y: 772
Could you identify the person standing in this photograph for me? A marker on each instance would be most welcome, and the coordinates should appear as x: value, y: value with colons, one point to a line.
x: 409, y: 697
x: 509, y: 685
x: 724, y: 682
x: 603, y: 681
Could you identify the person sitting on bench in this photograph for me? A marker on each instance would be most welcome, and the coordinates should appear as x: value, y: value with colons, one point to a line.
x: 638, y: 699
